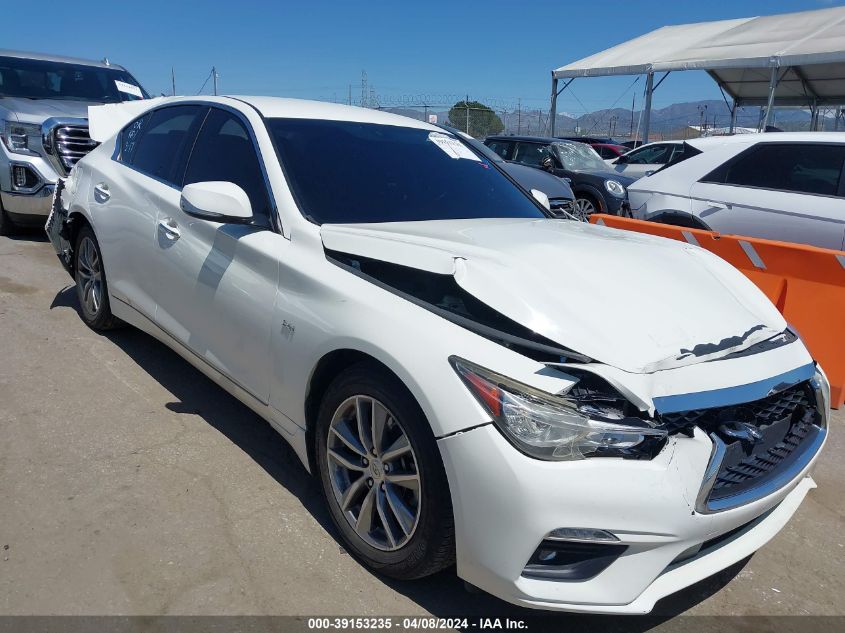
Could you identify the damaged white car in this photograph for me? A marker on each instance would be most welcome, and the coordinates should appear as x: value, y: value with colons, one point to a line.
x: 581, y: 418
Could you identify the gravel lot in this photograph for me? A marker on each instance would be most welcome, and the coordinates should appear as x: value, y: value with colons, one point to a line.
x: 130, y: 484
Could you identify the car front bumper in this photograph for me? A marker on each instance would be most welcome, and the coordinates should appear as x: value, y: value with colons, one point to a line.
x: 505, y: 503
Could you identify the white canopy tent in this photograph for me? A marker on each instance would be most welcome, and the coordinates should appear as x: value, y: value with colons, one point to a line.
x: 792, y: 59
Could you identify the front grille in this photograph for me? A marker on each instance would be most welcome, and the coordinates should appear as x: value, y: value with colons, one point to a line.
x: 69, y: 143
x: 784, y: 421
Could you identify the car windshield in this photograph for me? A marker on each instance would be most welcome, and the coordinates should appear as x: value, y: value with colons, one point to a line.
x: 349, y: 172
x: 579, y: 156
x: 39, y: 79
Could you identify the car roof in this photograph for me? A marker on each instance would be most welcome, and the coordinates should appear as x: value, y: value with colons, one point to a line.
x: 58, y: 58
x: 533, y: 139
x: 708, y: 142
x: 284, y: 108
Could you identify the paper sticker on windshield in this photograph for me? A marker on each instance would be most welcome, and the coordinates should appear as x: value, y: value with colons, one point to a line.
x: 451, y: 146
x: 129, y: 89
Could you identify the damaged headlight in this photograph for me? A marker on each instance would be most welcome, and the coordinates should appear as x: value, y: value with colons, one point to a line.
x: 21, y: 138
x: 571, y: 426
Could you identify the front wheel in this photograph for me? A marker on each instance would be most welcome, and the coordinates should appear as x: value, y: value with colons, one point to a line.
x: 91, y: 285
x: 585, y: 206
x: 382, y: 475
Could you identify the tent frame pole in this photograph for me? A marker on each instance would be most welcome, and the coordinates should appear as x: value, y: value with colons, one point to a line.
x: 773, y: 84
x: 734, y: 108
x: 649, y: 89
x: 553, y: 106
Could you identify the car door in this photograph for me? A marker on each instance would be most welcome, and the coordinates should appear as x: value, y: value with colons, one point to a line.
x: 791, y: 192
x: 502, y: 148
x: 217, y: 281
x: 639, y: 162
x: 128, y: 192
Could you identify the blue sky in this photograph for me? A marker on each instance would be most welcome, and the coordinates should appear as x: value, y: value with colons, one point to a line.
x: 495, y: 50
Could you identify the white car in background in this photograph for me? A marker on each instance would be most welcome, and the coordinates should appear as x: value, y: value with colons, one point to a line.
x: 782, y: 186
x: 399, y: 311
x: 646, y: 159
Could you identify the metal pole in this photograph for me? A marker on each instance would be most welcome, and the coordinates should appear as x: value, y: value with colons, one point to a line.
x: 553, y: 107
x: 733, y: 116
x: 773, y: 84
x: 173, y: 79
x: 649, y: 88
x: 466, y: 103
x: 519, y: 116
x: 214, y: 73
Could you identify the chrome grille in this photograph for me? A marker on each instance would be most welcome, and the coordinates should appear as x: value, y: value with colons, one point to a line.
x: 69, y: 143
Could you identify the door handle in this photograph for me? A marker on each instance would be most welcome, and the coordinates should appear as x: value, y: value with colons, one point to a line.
x: 170, y: 228
x: 101, y: 193
x: 718, y: 205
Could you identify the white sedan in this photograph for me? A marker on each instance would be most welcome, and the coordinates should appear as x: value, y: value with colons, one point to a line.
x: 409, y: 320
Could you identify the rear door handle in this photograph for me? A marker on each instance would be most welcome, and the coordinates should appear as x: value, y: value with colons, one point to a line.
x: 101, y: 193
x: 170, y: 228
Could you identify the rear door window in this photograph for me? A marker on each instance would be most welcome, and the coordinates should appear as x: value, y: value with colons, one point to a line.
x: 814, y: 168
x: 159, y: 144
x: 531, y: 154
x: 502, y: 148
x: 652, y: 155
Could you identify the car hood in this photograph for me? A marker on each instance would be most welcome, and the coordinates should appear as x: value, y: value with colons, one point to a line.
x: 633, y: 301
x: 38, y: 110
x: 533, y: 178
x: 607, y: 174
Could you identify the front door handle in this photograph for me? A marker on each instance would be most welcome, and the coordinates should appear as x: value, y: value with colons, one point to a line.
x: 718, y: 205
x: 170, y: 228
x: 101, y: 193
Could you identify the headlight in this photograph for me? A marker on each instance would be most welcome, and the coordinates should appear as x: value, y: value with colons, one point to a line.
x: 615, y: 187
x: 22, y: 138
x: 583, y: 422
x: 821, y: 387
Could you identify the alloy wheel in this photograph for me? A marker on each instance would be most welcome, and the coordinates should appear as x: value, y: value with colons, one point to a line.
x: 584, y: 208
x: 373, y: 473
x: 90, y: 276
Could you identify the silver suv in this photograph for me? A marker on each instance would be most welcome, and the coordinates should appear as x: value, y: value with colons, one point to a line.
x: 44, y: 125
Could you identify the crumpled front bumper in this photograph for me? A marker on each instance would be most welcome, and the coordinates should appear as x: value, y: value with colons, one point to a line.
x: 505, y: 503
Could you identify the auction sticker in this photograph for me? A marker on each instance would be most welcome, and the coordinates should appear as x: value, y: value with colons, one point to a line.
x: 129, y: 89
x: 451, y: 146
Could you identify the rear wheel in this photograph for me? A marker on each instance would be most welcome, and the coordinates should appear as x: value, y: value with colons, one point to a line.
x: 382, y: 475
x: 91, y: 285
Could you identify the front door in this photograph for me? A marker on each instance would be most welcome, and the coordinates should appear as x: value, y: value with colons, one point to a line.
x: 217, y: 281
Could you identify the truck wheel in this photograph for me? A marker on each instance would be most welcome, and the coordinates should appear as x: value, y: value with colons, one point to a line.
x: 382, y: 475
x: 6, y: 225
x: 91, y: 285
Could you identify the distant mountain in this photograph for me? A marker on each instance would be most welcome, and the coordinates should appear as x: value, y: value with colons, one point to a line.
x: 619, y: 123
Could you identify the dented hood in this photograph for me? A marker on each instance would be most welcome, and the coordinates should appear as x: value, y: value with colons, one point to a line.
x: 634, y: 301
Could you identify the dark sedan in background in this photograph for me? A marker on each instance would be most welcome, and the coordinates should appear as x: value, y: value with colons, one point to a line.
x: 596, y: 186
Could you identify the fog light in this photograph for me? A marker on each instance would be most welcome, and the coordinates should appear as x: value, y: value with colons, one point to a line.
x: 581, y: 534
x: 572, y: 561
x: 23, y: 178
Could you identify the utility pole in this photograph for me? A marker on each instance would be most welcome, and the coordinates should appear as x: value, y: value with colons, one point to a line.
x: 363, y: 88
x: 349, y: 102
x: 466, y: 103
x: 173, y: 80
x: 519, y: 116
x: 214, y: 76
x: 633, y: 104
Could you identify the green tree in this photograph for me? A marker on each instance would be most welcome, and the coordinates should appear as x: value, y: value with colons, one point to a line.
x: 482, y: 120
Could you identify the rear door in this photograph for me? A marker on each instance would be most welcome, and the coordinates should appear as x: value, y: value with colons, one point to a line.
x: 216, y: 282
x: 128, y: 192
x: 791, y: 192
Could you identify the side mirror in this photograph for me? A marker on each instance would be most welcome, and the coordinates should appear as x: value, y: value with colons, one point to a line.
x: 621, y: 160
x: 217, y: 201
x: 542, y: 198
x: 548, y: 163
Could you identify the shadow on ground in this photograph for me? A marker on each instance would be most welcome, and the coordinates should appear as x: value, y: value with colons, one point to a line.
x: 29, y: 234
x: 443, y: 594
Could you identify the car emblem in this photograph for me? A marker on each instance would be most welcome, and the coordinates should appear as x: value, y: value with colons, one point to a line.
x: 746, y: 433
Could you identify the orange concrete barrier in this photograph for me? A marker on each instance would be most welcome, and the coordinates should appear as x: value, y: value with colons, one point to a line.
x: 807, y: 284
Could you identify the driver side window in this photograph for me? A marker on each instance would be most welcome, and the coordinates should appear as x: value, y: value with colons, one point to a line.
x: 532, y: 154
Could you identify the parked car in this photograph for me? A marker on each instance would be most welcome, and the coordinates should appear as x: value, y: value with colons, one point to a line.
x: 596, y: 186
x: 646, y: 159
x: 417, y: 328
x: 559, y: 193
x: 632, y: 144
x: 44, y: 103
x: 609, y: 151
x: 588, y: 139
x: 781, y: 186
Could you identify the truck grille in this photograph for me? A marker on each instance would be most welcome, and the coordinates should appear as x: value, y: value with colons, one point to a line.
x: 69, y: 143
x: 786, y: 423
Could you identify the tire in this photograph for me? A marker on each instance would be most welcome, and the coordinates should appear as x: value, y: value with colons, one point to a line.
x: 91, y: 285
x: 586, y: 205
x: 7, y: 227
x: 364, y: 391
